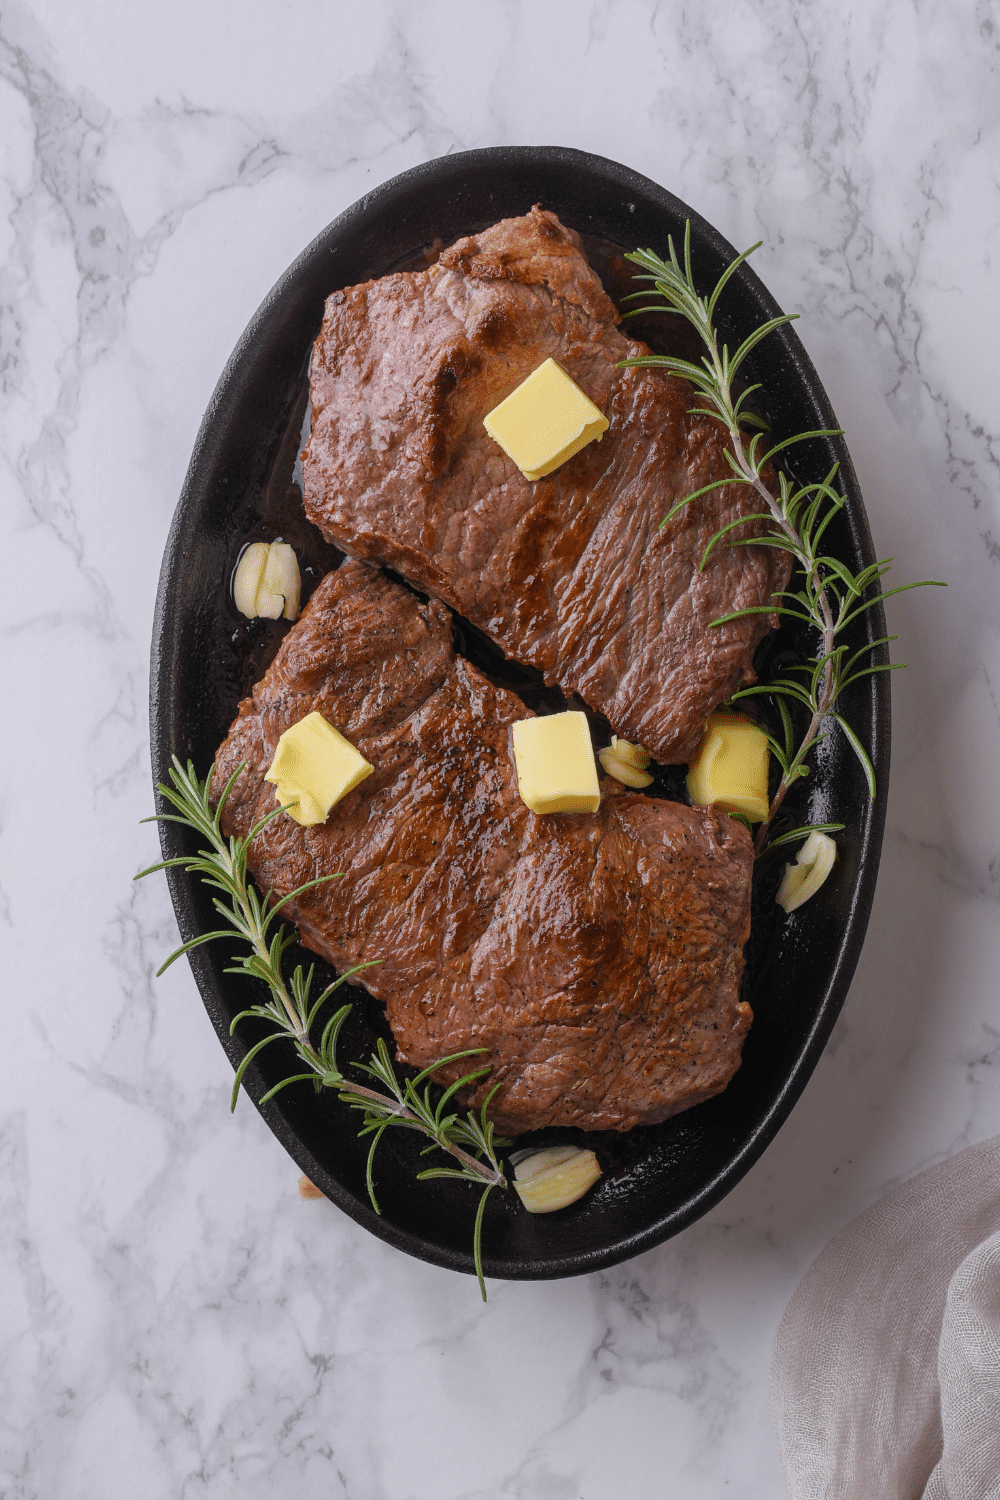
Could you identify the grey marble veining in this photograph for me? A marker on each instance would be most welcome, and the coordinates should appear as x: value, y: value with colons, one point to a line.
x: 174, y: 1321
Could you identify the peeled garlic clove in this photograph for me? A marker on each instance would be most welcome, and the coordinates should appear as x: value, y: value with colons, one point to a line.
x: 282, y: 577
x: 624, y: 771
x: 267, y: 582
x: 632, y: 754
x: 528, y: 1164
x: 269, y: 606
x: 554, y: 1178
x: 803, y: 879
x: 247, y: 578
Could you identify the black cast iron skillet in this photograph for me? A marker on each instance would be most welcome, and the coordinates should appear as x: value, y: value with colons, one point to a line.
x: 205, y: 657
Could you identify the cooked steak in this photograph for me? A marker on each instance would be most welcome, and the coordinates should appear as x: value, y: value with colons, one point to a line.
x: 570, y: 574
x: 596, y: 956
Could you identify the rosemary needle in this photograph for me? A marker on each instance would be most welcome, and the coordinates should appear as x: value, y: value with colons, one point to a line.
x: 292, y: 1012
x: 828, y: 596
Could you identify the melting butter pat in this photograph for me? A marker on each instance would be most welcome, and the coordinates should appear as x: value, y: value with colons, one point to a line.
x: 313, y: 768
x: 545, y: 421
x: 730, y: 767
x: 556, y: 770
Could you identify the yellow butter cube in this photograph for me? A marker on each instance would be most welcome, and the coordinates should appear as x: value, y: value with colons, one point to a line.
x: 545, y: 421
x: 730, y: 767
x: 313, y: 768
x: 556, y: 769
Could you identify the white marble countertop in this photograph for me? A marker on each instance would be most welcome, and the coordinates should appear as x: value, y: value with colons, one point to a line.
x: 175, y: 1322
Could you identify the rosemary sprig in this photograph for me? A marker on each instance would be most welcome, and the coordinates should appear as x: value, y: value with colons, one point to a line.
x: 292, y: 1012
x: 828, y: 596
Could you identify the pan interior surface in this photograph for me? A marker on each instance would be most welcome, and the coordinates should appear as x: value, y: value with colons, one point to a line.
x: 241, y: 486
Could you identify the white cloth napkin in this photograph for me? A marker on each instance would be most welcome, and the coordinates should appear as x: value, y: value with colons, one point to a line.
x: 885, y: 1383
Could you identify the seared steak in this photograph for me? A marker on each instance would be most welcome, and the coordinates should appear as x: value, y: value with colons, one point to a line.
x: 596, y: 956
x: 570, y: 574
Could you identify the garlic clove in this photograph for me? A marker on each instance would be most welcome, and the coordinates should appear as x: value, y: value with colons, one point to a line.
x: 282, y: 577
x: 528, y: 1164
x: 555, y: 1178
x: 633, y: 754
x: 267, y: 582
x: 628, y: 773
x: 247, y: 578
x: 803, y: 879
x: 269, y: 606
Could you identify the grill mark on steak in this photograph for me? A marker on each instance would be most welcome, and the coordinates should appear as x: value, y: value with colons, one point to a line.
x: 596, y: 957
x: 571, y: 574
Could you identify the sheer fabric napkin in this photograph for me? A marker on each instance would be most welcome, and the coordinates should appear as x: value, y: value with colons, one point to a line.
x: 886, y: 1376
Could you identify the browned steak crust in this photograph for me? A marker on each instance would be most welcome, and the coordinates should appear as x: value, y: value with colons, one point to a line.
x: 570, y: 574
x: 596, y: 957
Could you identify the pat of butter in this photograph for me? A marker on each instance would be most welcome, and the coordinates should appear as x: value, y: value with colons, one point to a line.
x: 556, y: 770
x: 730, y: 767
x: 545, y: 421
x: 313, y: 768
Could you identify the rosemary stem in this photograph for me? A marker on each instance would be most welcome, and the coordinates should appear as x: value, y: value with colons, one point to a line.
x: 277, y: 984
x: 829, y: 632
x: 785, y: 782
x: 481, y: 1169
x: 725, y: 402
x: 752, y: 474
x: 310, y: 1055
x: 497, y: 1179
x: 291, y: 1012
x: 832, y: 596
